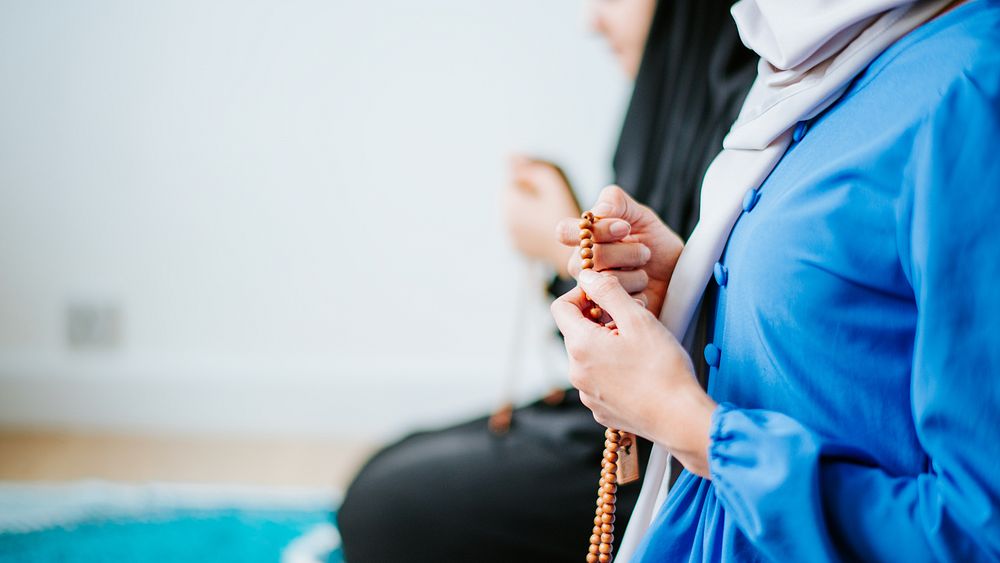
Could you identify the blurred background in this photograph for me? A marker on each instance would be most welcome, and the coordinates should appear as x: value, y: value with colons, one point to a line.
x: 247, y: 242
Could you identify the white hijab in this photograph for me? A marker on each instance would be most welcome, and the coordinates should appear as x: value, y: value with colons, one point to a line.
x: 810, y: 51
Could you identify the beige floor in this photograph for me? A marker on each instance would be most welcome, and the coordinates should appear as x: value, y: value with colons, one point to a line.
x: 58, y: 456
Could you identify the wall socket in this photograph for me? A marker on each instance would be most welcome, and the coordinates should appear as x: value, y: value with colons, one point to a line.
x: 93, y: 325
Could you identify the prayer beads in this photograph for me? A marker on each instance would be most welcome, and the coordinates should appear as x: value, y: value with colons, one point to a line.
x: 602, y: 539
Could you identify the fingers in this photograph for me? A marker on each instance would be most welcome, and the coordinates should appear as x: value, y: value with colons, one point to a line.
x: 616, y: 256
x: 527, y: 175
x: 608, y: 322
x: 614, y: 207
x: 615, y: 203
x: 520, y: 173
x: 538, y: 177
x: 606, y: 292
x: 640, y: 299
x: 567, y: 311
x: 619, y: 255
x: 634, y: 281
x: 605, y: 230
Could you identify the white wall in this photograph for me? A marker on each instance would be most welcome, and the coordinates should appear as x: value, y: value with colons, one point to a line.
x: 292, y: 203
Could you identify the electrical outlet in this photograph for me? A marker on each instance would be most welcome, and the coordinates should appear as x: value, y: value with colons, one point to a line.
x: 93, y: 325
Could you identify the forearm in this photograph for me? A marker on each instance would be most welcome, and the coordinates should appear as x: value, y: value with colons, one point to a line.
x: 682, y: 424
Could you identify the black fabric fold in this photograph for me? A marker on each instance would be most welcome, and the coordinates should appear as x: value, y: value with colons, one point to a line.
x: 694, y: 75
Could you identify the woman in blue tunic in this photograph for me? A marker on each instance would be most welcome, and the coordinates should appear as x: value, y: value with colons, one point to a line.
x: 853, y: 334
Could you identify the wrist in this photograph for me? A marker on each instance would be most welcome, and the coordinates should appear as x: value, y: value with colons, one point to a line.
x: 685, y: 428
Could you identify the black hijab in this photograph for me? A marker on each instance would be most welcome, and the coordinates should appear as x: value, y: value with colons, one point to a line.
x: 693, y: 77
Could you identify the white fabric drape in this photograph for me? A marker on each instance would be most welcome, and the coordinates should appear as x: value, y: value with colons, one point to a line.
x: 810, y: 51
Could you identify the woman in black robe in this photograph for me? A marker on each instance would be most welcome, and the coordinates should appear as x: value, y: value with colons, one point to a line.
x: 465, y: 493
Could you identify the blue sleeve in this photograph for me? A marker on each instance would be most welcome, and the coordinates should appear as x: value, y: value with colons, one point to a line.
x: 798, y: 499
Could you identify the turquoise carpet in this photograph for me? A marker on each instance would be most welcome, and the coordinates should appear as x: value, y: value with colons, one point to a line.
x: 97, y: 522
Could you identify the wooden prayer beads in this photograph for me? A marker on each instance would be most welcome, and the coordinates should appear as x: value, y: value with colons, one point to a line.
x: 616, y: 444
x: 602, y: 540
x: 587, y: 254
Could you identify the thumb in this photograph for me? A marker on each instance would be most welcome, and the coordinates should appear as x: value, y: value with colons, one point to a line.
x: 608, y: 293
x: 615, y: 202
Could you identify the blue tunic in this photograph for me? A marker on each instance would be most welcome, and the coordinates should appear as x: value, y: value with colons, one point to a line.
x: 855, y: 348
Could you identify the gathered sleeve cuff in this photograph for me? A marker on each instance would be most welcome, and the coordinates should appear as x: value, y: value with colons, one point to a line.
x: 797, y: 497
x: 765, y: 468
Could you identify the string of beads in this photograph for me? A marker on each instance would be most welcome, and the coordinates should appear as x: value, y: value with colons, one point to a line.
x: 602, y: 539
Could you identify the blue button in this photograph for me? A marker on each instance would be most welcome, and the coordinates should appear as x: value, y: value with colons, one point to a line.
x: 799, y: 131
x: 750, y: 199
x: 721, y: 274
x: 713, y: 355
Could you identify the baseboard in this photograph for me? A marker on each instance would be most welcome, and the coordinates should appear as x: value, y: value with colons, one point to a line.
x: 371, y: 398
